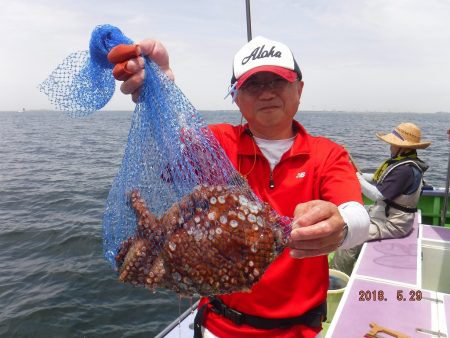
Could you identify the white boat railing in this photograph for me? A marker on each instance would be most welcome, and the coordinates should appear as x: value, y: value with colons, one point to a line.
x: 177, y: 322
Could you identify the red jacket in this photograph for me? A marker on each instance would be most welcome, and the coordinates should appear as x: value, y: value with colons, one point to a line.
x: 314, y: 168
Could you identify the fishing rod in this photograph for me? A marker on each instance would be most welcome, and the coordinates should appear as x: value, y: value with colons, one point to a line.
x: 352, y: 161
x: 249, y: 20
x: 444, y: 210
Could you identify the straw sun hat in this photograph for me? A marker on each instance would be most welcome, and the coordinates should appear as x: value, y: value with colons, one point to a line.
x: 405, y: 135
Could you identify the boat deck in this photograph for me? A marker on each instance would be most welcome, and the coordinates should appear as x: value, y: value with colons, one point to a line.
x: 386, y: 288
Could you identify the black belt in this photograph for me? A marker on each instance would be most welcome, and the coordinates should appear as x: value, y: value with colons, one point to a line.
x: 312, y: 318
x: 392, y: 204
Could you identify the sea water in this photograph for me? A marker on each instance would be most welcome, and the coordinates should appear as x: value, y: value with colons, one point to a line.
x: 55, y: 174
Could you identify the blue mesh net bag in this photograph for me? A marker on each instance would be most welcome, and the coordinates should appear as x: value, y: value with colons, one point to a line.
x: 178, y: 215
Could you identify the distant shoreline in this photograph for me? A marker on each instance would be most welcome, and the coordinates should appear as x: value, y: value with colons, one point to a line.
x: 237, y: 111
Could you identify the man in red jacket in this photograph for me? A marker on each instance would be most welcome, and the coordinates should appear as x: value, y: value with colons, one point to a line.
x: 301, y: 176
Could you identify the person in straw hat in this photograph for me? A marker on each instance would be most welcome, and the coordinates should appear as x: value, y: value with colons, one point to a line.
x: 395, y: 188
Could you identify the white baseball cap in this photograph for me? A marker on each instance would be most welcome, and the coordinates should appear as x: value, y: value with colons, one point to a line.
x: 264, y: 55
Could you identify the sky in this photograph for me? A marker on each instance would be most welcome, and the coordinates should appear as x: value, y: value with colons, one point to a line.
x: 355, y: 55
